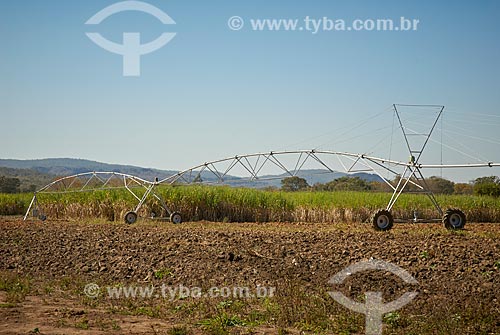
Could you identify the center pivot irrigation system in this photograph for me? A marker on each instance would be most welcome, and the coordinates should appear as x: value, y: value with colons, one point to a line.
x: 255, y: 167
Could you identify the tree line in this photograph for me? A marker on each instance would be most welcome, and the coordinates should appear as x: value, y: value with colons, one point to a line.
x: 13, y: 185
x: 480, y: 186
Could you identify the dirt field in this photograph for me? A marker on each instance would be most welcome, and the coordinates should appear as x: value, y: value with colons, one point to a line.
x: 45, y: 267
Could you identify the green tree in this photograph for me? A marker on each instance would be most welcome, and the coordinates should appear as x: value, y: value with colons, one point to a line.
x: 463, y: 188
x: 293, y: 184
x: 435, y: 184
x: 380, y: 186
x: 9, y: 185
x: 348, y: 184
x: 409, y: 186
x: 441, y: 185
x: 317, y: 187
x: 29, y: 189
x: 487, y: 186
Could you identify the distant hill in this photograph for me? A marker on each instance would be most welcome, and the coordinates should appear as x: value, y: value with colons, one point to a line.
x: 40, y: 172
x: 70, y: 166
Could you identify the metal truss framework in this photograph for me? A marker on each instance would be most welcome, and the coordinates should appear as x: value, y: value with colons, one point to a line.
x: 93, y: 181
x: 256, y: 168
x: 219, y: 172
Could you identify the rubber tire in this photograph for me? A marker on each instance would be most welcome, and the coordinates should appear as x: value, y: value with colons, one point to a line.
x: 454, y: 219
x: 42, y: 217
x: 175, y: 218
x: 383, y: 220
x: 130, y: 217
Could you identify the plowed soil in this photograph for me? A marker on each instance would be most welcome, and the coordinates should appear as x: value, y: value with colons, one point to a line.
x: 44, y: 268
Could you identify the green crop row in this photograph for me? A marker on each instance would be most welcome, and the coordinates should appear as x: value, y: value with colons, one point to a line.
x: 220, y: 203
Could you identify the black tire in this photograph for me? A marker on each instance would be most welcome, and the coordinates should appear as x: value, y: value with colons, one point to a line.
x: 130, y: 217
x: 383, y: 220
x: 175, y: 218
x: 42, y: 217
x: 454, y: 219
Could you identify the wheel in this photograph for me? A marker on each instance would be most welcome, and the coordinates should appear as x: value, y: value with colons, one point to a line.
x: 175, y: 218
x: 42, y: 217
x: 383, y: 220
x: 131, y: 217
x: 454, y: 219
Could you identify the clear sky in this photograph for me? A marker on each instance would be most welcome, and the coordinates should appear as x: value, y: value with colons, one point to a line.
x: 214, y: 92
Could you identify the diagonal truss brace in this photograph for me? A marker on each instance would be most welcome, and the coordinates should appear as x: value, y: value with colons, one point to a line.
x: 413, y: 175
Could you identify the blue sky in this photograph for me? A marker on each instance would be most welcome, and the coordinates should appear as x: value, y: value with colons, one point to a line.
x: 213, y: 92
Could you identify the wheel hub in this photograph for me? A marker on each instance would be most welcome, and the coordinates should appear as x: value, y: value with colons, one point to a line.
x: 383, y: 221
x: 455, y: 220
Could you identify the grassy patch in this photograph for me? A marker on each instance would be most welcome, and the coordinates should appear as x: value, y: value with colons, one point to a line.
x: 163, y: 273
x: 151, y: 311
x: 17, y: 287
x: 221, y: 323
x: 82, y: 324
x: 179, y: 330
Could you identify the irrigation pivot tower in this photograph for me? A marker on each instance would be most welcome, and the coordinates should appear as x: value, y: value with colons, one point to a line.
x: 412, y: 174
x: 256, y: 168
